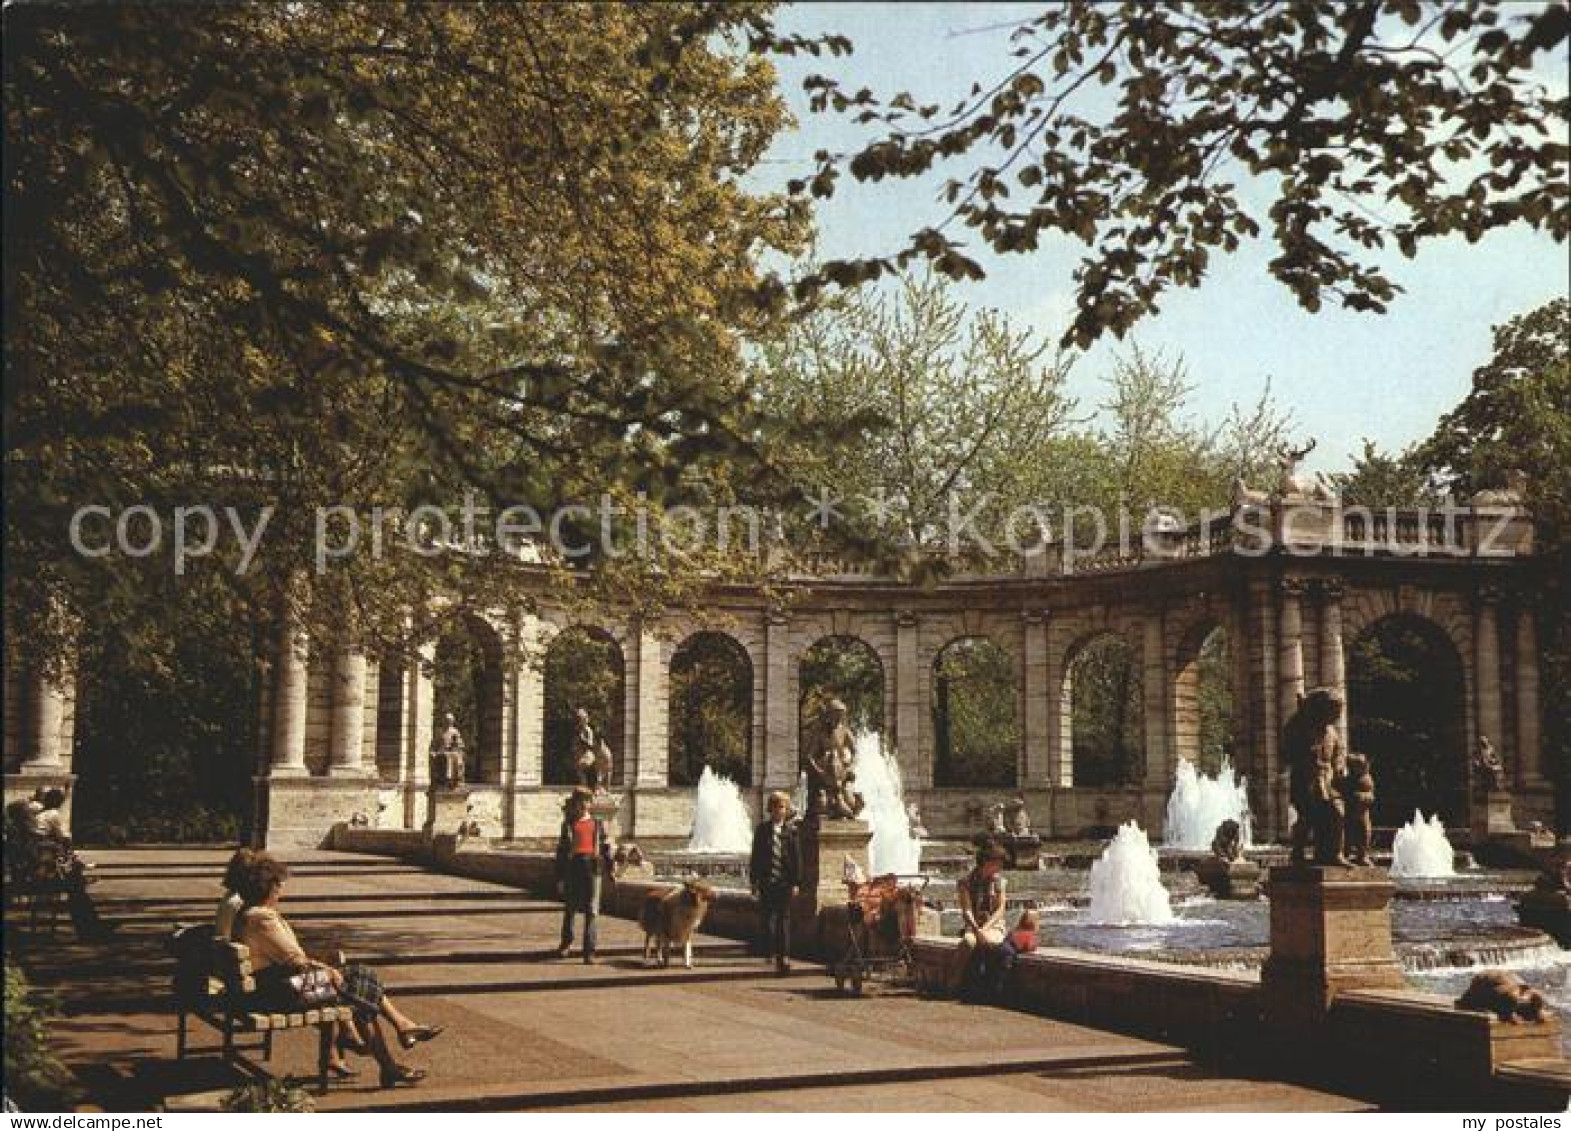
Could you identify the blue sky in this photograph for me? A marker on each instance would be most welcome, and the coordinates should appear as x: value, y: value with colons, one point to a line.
x: 1343, y: 375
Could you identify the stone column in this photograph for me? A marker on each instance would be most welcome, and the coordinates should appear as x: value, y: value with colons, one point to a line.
x: 644, y: 759
x: 419, y: 724
x: 47, y: 698
x: 528, y: 708
x: 781, y: 756
x: 289, y: 700
x: 1153, y: 686
x: 1529, y: 721
x: 916, y: 763
x: 1486, y: 673
x: 1034, y: 690
x: 1290, y: 642
x: 1264, y: 695
x: 1333, y: 663
x: 1060, y: 749
x: 346, y: 748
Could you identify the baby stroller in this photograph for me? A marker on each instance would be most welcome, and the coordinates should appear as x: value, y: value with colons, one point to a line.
x: 881, y: 919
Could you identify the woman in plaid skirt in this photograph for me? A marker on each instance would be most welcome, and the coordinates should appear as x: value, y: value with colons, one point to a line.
x: 287, y: 977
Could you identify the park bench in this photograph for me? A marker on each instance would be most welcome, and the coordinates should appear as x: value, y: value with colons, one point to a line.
x: 213, y: 983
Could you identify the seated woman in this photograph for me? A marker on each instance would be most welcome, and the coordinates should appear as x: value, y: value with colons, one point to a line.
x: 981, y: 893
x: 47, y: 857
x: 280, y: 965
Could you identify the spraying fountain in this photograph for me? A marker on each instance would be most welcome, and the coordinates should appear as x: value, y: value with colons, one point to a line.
x: 893, y: 848
x: 720, y: 820
x: 1421, y: 850
x: 1198, y: 804
x: 1126, y: 885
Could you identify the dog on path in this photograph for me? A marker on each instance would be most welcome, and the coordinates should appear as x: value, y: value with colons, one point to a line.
x: 670, y: 917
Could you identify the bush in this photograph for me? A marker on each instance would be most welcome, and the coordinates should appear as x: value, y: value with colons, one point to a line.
x: 35, y: 1079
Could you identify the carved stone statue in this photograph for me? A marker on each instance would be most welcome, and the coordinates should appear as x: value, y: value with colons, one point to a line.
x: 1289, y: 484
x: 591, y: 755
x: 914, y: 821
x: 1228, y: 844
x: 995, y: 821
x: 1505, y: 995
x: 1358, y: 800
x: 1020, y: 819
x: 1489, y: 773
x: 1312, y: 748
x: 1227, y: 872
x: 447, y: 755
x: 829, y: 773
x: 1246, y: 496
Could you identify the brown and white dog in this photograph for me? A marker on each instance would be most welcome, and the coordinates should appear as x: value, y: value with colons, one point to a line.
x: 671, y: 916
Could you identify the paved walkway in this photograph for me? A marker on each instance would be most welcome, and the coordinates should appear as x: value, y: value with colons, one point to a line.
x: 528, y: 1031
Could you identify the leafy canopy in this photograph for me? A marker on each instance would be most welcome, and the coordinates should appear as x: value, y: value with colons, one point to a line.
x: 1159, y: 134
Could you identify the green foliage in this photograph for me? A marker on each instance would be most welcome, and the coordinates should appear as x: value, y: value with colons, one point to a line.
x: 313, y: 253
x: 166, y: 726
x: 1159, y: 135
x: 1379, y: 480
x: 841, y: 667
x: 976, y: 723
x: 1214, y: 702
x: 1107, y: 713
x: 35, y: 1079
x: 583, y: 668
x: 711, y: 710
x: 1405, y: 706
x: 270, y: 1095
x: 1517, y: 418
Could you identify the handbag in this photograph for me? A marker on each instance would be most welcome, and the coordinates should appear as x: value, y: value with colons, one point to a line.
x: 315, y: 987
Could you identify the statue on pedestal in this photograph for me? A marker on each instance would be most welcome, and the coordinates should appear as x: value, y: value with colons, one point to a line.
x: 447, y: 756
x: 591, y: 755
x: 1312, y: 748
x: 1489, y: 773
x: 829, y: 773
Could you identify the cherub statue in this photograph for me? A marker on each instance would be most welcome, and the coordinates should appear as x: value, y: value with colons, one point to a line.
x: 1358, y: 799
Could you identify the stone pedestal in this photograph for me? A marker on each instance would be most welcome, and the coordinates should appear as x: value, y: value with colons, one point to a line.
x: 1229, y: 879
x: 607, y: 809
x: 1025, y: 851
x: 825, y: 846
x: 1330, y: 932
x: 1492, y: 815
x: 447, y: 810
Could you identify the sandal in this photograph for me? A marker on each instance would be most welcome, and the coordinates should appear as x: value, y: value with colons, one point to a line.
x: 401, y: 1074
x: 342, y: 1072
x: 416, y: 1034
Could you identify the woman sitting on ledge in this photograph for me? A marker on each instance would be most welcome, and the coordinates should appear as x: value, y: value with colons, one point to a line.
x: 981, y: 893
x: 284, y: 972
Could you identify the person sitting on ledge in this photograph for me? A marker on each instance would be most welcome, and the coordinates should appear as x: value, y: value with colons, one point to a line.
x: 998, y: 963
x: 285, y: 975
x: 981, y: 892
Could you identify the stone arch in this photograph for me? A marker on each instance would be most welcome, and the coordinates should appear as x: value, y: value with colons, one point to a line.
x: 844, y: 666
x: 469, y: 681
x: 584, y: 665
x: 711, y: 686
x: 1202, y: 695
x: 1407, y: 709
x: 976, y: 713
x: 1102, y: 684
